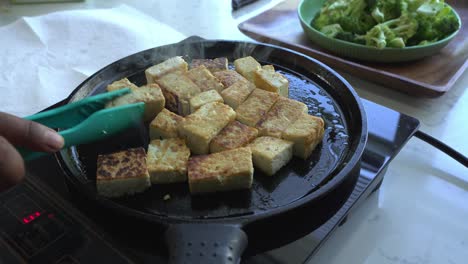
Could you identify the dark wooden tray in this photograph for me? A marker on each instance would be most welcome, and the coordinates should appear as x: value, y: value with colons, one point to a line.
x: 429, y: 77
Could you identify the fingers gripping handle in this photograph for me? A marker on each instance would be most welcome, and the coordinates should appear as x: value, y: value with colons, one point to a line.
x: 205, y: 243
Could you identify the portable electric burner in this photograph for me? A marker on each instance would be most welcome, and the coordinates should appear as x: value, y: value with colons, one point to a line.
x: 41, y: 221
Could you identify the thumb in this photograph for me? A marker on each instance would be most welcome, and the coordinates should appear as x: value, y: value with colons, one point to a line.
x: 29, y: 134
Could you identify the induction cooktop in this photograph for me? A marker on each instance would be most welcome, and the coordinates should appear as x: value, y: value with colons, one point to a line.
x: 41, y: 221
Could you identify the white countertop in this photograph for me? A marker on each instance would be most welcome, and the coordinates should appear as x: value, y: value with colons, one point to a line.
x: 420, y: 213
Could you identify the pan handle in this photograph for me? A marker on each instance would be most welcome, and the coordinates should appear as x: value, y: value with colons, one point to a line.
x: 205, y: 243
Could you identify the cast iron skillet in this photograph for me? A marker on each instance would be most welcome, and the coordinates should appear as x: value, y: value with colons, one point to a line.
x: 277, y: 210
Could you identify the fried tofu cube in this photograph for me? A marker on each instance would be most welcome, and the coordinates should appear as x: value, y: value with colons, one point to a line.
x: 203, y: 98
x: 280, y: 116
x: 234, y: 135
x: 202, y: 77
x: 213, y: 65
x: 178, y: 89
x: 270, y: 154
x: 167, y: 160
x: 237, y: 93
x: 268, y: 68
x: 200, y: 127
x: 271, y: 81
x: 255, y: 106
x: 150, y: 94
x: 306, y: 132
x: 170, y: 65
x: 122, y: 173
x: 247, y: 66
x: 120, y: 84
x: 165, y: 125
x: 222, y: 171
x: 229, y: 77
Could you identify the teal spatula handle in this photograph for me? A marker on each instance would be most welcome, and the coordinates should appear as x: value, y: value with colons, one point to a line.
x: 71, y: 114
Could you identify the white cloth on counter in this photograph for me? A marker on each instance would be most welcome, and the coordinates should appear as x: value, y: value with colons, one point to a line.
x: 43, y: 58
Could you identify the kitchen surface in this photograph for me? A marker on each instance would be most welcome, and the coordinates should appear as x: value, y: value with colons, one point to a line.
x: 419, y: 213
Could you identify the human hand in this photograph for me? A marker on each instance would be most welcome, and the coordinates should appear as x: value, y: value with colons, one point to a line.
x: 15, y: 131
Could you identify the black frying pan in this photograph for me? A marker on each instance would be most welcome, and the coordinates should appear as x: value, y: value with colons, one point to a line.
x: 277, y: 210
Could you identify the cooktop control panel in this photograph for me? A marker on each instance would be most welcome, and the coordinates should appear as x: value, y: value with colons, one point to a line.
x: 33, y: 230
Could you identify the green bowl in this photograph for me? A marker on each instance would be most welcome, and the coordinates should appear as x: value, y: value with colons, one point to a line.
x: 307, y: 10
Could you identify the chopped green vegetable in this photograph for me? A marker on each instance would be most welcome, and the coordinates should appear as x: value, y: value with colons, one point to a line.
x: 335, y: 10
x: 435, y: 21
x: 357, y: 24
x: 331, y: 30
x: 384, y: 10
x: 386, y: 23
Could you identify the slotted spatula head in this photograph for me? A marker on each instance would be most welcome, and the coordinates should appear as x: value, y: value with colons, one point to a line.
x: 103, y: 123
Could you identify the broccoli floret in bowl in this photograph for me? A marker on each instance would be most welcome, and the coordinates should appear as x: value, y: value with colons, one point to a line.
x: 380, y: 30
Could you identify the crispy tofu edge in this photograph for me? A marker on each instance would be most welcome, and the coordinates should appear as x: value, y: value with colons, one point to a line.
x: 268, y: 164
x: 165, y: 125
x: 226, y: 182
x: 264, y: 130
x: 200, y: 143
x: 247, y: 135
x: 159, y: 175
x: 245, y: 111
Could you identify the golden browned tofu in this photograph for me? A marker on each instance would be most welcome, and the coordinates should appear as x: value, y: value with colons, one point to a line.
x: 213, y: 65
x: 271, y: 81
x: 178, y: 89
x: 228, y: 77
x: 203, y: 98
x: 280, y: 116
x: 170, y: 65
x: 234, y: 135
x: 167, y: 160
x: 120, y: 84
x: 268, y: 68
x: 150, y: 94
x: 122, y: 173
x: 237, y: 93
x: 222, y: 171
x: 247, y: 66
x: 255, y: 106
x: 270, y: 154
x: 306, y: 132
x: 200, y: 127
x: 165, y: 125
x: 202, y: 77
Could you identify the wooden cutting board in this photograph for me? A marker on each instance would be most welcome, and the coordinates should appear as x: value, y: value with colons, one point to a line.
x: 429, y: 77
